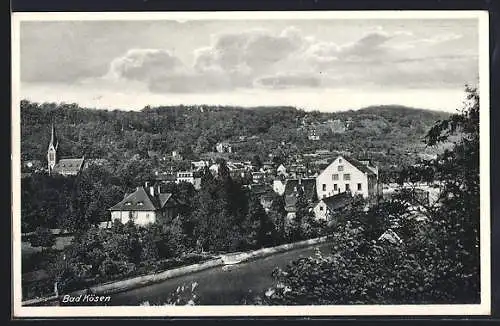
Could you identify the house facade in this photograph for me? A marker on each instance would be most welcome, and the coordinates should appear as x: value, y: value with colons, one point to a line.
x: 346, y: 174
x: 190, y: 177
x: 223, y: 147
x: 146, y: 205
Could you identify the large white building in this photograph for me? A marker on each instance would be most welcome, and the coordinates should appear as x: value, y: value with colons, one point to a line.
x: 190, y: 177
x: 348, y: 174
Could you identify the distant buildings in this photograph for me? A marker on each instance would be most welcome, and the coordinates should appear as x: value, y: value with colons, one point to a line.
x: 223, y: 147
x: 313, y: 134
x: 191, y: 177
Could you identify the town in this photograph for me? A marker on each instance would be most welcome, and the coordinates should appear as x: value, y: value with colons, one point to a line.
x: 277, y: 160
x: 272, y: 201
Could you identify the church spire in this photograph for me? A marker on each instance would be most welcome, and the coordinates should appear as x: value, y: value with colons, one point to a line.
x: 53, y: 138
x: 52, y: 151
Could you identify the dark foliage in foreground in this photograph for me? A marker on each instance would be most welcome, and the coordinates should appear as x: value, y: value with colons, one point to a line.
x: 438, y: 260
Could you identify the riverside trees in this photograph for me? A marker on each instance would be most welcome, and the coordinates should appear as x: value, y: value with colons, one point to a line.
x: 438, y: 260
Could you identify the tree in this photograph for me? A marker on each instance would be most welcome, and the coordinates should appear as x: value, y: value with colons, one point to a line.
x: 258, y: 228
x: 42, y: 237
x: 438, y: 261
x: 256, y: 162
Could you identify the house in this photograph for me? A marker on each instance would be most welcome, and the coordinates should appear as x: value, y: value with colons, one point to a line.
x: 146, y: 205
x: 165, y: 177
x: 223, y: 147
x: 297, y: 171
x: 265, y: 194
x: 313, y: 134
x: 258, y: 177
x: 391, y: 237
x: 62, y: 166
x: 176, y: 156
x: 348, y: 174
x: 281, y: 170
x: 193, y: 178
x: 326, y: 207
x: 291, y: 193
x: 279, y: 186
x: 199, y: 165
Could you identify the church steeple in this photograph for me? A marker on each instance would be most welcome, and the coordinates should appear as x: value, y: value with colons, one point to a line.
x: 53, y: 138
x: 52, y: 151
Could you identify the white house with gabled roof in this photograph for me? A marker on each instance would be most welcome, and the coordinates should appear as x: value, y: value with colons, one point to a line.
x: 348, y: 174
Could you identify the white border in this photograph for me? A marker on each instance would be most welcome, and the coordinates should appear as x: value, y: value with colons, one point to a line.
x: 352, y: 310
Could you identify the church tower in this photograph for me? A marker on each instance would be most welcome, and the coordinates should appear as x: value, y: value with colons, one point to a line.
x: 52, y: 151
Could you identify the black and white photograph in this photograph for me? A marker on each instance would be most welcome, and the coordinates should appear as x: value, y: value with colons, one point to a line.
x: 250, y: 163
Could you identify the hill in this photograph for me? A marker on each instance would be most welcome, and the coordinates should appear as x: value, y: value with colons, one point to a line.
x: 388, y: 134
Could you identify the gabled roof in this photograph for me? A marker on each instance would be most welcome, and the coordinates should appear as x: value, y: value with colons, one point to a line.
x: 338, y: 200
x: 141, y: 200
x: 391, y: 237
x: 307, y: 184
x: 358, y: 165
x: 69, y: 165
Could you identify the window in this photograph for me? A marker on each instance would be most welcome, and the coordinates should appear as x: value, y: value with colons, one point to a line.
x: 340, y: 168
x: 321, y: 208
x: 335, y: 176
x: 335, y: 187
x: 340, y: 160
x: 147, y: 216
x: 347, y: 176
x: 347, y: 187
x: 359, y: 186
x: 324, y: 187
x: 130, y: 215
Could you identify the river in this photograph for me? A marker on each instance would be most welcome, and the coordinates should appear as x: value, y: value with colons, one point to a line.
x: 224, y: 285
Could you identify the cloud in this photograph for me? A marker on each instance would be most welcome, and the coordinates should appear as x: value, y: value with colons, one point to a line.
x: 259, y: 58
x: 145, y: 64
x: 251, y: 51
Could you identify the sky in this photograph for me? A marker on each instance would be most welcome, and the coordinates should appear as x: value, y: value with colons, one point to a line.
x: 326, y: 65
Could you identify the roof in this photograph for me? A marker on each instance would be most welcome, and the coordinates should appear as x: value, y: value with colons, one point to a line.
x: 307, y: 184
x: 358, y: 165
x: 391, y: 237
x: 165, y: 177
x: 291, y: 187
x: 68, y: 166
x: 338, y: 201
x: 141, y: 200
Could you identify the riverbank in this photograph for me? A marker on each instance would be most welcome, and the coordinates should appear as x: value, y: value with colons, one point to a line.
x: 146, y: 280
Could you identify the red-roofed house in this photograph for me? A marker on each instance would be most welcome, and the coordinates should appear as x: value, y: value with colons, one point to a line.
x: 145, y: 206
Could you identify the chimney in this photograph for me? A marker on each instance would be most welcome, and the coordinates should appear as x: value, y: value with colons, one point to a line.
x: 158, y: 188
x: 152, y: 191
x: 146, y: 184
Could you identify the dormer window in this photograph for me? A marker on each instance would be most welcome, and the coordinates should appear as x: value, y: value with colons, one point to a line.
x: 128, y: 203
x: 140, y: 203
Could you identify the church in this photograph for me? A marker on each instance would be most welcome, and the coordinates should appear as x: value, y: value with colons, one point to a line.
x: 62, y: 166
